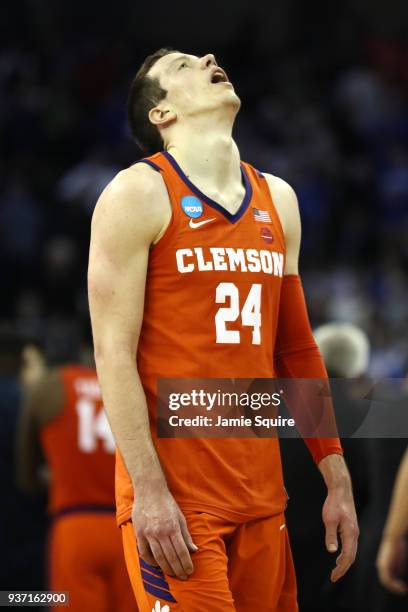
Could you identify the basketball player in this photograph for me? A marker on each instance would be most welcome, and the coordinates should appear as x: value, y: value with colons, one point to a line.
x: 193, y: 273
x: 64, y: 424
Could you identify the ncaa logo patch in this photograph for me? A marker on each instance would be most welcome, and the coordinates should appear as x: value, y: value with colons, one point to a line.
x: 192, y: 206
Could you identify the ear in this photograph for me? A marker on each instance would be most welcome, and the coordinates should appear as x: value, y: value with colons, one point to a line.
x: 162, y: 117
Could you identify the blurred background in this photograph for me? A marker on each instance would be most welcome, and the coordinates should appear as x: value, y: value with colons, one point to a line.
x: 324, y: 87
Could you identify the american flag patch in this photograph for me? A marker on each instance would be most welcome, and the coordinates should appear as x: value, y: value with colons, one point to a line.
x: 261, y: 215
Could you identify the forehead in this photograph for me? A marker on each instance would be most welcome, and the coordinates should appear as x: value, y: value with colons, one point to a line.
x: 166, y: 63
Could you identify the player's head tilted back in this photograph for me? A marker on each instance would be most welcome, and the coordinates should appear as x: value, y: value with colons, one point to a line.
x: 174, y: 92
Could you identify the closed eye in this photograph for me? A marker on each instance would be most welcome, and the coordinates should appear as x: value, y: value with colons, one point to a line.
x: 183, y: 65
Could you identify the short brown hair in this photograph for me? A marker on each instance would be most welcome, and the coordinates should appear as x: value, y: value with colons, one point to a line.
x: 145, y: 92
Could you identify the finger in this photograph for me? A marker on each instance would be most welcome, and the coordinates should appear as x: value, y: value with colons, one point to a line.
x: 186, y: 535
x: 337, y: 572
x: 343, y: 563
x: 182, y: 553
x: 144, y: 551
x: 160, y: 557
x: 172, y: 558
x: 348, y: 552
x: 331, y: 535
x: 395, y: 585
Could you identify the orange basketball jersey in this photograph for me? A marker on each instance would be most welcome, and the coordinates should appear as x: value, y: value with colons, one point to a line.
x: 79, y: 446
x: 211, y: 310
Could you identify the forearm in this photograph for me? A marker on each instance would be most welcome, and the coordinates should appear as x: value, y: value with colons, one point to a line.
x: 397, y: 520
x: 335, y: 474
x: 297, y: 357
x: 126, y: 407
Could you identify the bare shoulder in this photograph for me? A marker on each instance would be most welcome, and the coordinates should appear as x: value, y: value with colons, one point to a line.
x: 285, y: 200
x: 136, y: 200
x: 279, y: 186
x: 286, y: 204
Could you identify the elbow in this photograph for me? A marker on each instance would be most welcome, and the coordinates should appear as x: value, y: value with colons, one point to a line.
x: 111, y: 354
x: 104, y: 349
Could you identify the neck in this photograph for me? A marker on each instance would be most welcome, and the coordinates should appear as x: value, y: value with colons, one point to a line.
x: 206, y: 151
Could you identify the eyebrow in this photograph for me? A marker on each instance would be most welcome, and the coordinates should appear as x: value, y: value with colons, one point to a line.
x: 184, y: 57
x: 178, y: 59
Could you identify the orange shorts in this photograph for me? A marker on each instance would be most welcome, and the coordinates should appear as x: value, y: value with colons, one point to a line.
x: 239, y: 567
x: 86, y: 559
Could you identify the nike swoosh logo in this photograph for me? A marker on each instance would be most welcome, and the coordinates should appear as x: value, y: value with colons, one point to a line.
x: 199, y: 223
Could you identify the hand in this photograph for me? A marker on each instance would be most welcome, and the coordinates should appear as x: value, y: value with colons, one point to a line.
x: 391, y: 564
x: 339, y: 515
x: 162, y: 534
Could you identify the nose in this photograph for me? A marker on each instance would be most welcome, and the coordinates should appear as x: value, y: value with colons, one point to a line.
x: 207, y: 61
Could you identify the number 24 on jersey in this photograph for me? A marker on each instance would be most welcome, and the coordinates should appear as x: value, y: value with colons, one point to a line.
x: 250, y: 314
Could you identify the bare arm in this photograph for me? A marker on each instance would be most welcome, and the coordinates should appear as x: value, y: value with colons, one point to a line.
x: 131, y: 214
x: 393, y: 553
x: 28, y: 452
x: 338, y: 511
x: 286, y: 204
x: 41, y: 405
x: 122, y: 232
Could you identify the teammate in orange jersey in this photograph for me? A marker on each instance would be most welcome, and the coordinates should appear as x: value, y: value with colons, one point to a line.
x: 193, y: 273
x: 64, y: 426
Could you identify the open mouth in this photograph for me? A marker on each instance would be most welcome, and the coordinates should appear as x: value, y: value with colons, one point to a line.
x: 218, y: 76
